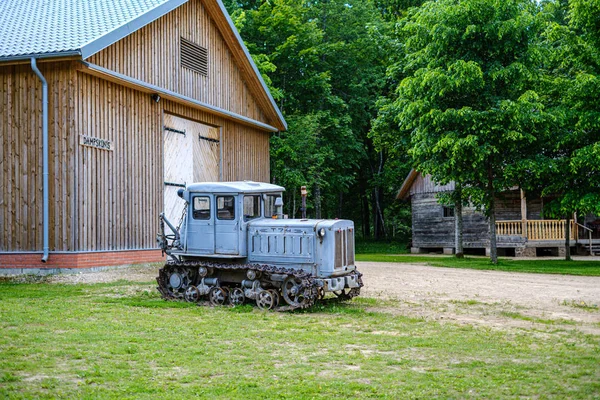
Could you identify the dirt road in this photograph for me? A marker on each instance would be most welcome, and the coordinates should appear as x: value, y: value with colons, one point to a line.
x: 487, y: 297
x: 491, y: 298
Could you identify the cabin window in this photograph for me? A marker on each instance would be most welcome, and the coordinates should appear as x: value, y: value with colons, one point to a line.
x: 448, y: 212
x: 201, y: 207
x: 194, y: 57
x: 251, y: 207
x: 226, y: 207
x: 270, y: 210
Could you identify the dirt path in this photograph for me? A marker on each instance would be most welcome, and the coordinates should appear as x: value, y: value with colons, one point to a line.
x: 491, y: 298
x: 487, y: 297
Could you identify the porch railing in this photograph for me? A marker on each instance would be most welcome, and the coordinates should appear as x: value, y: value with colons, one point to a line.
x: 541, y: 229
x: 509, y: 228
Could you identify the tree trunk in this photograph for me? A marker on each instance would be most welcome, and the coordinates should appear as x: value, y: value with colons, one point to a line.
x: 374, y: 215
x: 293, y: 213
x: 492, y: 217
x: 317, y: 201
x: 567, y: 236
x: 340, y: 203
x: 378, y: 220
x: 459, y: 223
x: 366, y: 218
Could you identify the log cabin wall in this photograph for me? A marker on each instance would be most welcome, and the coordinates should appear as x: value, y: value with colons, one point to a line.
x: 21, y: 157
x: 152, y: 55
x: 430, y: 229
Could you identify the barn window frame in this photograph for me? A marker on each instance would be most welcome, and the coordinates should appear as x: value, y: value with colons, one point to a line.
x: 192, y: 56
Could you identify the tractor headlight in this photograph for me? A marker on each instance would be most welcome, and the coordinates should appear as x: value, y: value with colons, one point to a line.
x: 321, y: 232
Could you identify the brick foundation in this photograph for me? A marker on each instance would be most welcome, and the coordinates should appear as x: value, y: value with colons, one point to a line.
x: 26, y: 261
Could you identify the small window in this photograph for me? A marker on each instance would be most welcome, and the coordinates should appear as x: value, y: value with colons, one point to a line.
x: 226, y: 207
x: 251, y: 207
x: 270, y: 205
x: 201, y: 207
x: 448, y: 212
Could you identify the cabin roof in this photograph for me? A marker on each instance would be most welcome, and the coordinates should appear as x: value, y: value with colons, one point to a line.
x: 416, y: 183
x: 404, y: 191
x: 234, y: 187
x: 81, y: 28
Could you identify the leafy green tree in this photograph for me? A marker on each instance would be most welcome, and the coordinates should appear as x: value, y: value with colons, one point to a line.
x: 325, y: 63
x: 567, y: 167
x: 467, y: 100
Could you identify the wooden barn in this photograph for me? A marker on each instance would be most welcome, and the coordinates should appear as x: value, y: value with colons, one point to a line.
x: 106, y: 109
x: 521, y: 227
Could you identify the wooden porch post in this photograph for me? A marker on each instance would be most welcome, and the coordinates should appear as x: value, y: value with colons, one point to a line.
x: 524, y: 212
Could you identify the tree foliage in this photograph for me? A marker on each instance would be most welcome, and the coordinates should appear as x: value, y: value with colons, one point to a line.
x: 487, y: 93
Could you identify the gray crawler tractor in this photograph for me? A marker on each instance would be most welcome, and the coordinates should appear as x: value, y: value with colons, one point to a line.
x: 234, y: 246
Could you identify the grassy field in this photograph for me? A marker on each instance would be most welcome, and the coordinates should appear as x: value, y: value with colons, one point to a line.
x: 586, y: 268
x: 120, y: 340
x: 373, y: 247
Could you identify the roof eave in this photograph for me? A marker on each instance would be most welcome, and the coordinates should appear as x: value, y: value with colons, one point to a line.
x: 404, y: 191
x: 40, y: 56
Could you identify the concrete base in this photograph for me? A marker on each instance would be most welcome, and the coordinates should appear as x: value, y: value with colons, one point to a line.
x: 488, y: 251
x: 448, y: 250
x: 525, y: 252
x: 18, y: 263
x: 14, y: 272
x: 562, y: 252
x: 415, y: 250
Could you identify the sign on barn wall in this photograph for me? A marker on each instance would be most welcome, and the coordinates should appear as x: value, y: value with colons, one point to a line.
x: 97, y: 143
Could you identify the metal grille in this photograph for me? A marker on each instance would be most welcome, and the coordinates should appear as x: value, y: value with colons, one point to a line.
x: 345, y: 244
x: 350, y: 248
x: 337, y: 263
x: 194, y: 57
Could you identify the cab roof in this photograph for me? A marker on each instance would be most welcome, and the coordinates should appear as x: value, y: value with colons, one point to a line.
x: 234, y: 187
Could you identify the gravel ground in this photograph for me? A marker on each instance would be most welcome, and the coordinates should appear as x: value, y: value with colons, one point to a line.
x: 490, y: 298
x: 487, y: 297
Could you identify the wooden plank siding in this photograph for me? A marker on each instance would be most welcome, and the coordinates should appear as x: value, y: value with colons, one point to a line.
x: 152, y: 55
x: 120, y: 191
x: 110, y: 200
x: 21, y: 157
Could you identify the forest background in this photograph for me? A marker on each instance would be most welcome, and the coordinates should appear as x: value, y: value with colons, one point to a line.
x: 491, y: 94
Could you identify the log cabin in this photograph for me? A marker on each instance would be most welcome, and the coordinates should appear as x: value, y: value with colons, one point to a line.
x: 107, y: 108
x: 521, y: 228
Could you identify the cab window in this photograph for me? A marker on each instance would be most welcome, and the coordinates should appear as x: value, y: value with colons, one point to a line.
x: 251, y: 207
x: 270, y: 205
x: 226, y: 207
x: 201, y: 208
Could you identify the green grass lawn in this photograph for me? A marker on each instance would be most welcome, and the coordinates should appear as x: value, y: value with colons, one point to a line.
x: 588, y: 268
x: 121, y: 340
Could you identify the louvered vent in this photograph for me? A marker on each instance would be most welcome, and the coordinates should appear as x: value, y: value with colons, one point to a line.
x: 194, y: 57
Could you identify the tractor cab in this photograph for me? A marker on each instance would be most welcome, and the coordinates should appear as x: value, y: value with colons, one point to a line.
x: 218, y: 214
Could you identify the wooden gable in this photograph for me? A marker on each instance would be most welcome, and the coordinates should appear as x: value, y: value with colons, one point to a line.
x: 152, y: 55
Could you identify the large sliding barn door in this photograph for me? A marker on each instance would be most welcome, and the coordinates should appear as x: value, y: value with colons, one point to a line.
x: 191, y: 154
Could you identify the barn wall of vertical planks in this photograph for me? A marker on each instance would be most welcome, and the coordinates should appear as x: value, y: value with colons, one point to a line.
x: 107, y: 139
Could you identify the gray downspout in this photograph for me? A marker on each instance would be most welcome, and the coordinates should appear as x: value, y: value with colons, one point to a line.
x: 44, y: 154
